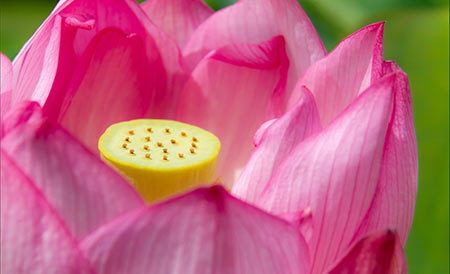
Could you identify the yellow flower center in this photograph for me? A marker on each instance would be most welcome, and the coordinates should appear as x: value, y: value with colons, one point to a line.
x: 161, y: 157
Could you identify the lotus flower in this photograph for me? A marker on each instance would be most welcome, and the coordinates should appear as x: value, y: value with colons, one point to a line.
x: 330, y: 186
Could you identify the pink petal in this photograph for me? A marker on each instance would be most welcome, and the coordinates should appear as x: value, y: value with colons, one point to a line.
x: 36, y: 65
x: 261, y: 130
x: 178, y: 18
x: 205, y: 231
x: 378, y: 253
x: 393, y: 205
x: 83, y: 190
x: 128, y: 17
x: 6, y: 73
x: 233, y: 91
x: 6, y: 83
x: 60, y: 4
x: 52, y: 63
x: 274, y: 146
x: 115, y: 80
x: 335, y: 173
x: 34, y: 240
x: 27, y: 112
x: 5, y: 101
x: 303, y: 219
x: 339, y: 78
x: 256, y: 21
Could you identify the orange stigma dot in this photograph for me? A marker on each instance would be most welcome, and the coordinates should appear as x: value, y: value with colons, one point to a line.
x: 167, y: 130
x: 159, y: 144
x: 181, y: 155
x: 192, y: 150
x: 124, y: 145
x: 165, y: 150
x: 173, y: 141
x: 183, y: 134
x: 194, y: 145
x: 149, y: 129
x: 194, y: 139
x: 127, y: 139
x: 147, y: 156
x: 132, y: 151
x: 165, y: 158
x: 131, y: 132
x: 146, y: 147
x: 147, y: 139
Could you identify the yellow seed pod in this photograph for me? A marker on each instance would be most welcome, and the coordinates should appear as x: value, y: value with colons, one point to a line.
x: 157, y: 156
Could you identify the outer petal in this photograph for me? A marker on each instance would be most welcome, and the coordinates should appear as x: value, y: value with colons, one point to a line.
x: 34, y: 240
x: 83, y: 190
x: 339, y: 78
x: 205, y: 231
x: 6, y: 83
x: 275, y: 145
x: 393, y: 205
x: 36, y: 64
x: 178, y: 18
x: 335, y: 173
x: 6, y: 73
x: 233, y: 91
x: 5, y: 102
x: 378, y: 253
x: 255, y: 21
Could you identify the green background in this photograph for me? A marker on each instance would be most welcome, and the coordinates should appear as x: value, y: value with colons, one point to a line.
x: 416, y: 36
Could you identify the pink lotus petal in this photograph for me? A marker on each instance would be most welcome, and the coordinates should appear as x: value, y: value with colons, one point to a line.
x: 116, y: 80
x: 233, y: 91
x: 256, y: 21
x: 303, y: 219
x: 275, y: 145
x: 205, y: 231
x: 339, y: 78
x: 393, y: 205
x: 6, y: 73
x: 335, y: 173
x: 60, y: 4
x: 6, y: 83
x: 178, y: 18
x: 261, y: 130
x: 378, y: 253
x: 34, y: 240
x: 52, y: 59
x: 83, y: 190
x: 28, y: 112
x: 128, y: 17
x: 5, y: 101
x: 36, y: 64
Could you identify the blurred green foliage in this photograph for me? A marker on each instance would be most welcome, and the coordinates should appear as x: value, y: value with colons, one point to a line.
x: 416, y: 37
